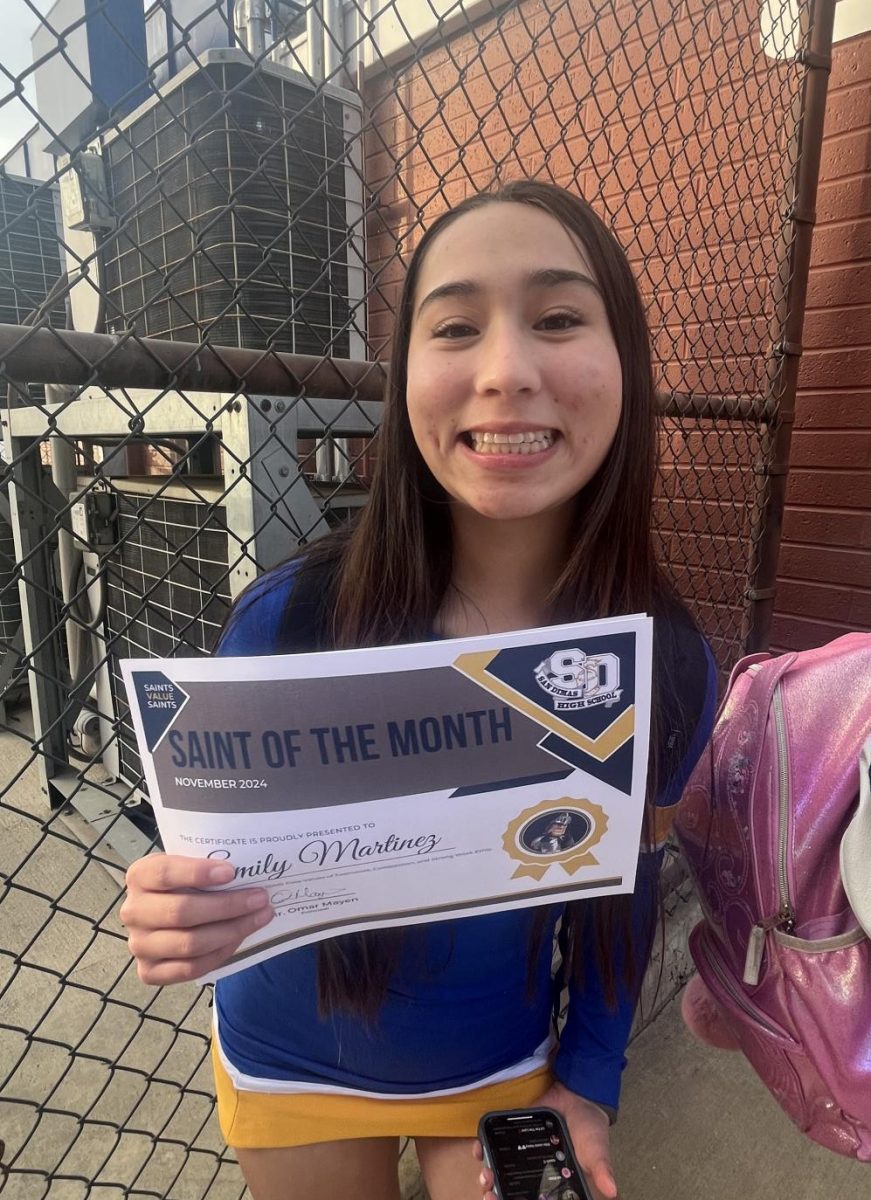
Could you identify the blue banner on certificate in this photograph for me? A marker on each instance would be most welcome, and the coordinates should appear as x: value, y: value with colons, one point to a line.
x: 369, y: 788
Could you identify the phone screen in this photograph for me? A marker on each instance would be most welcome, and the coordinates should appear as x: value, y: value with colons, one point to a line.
x: 531, y: 1157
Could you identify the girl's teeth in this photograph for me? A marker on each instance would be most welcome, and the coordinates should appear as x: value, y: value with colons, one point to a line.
x: 511, y: 443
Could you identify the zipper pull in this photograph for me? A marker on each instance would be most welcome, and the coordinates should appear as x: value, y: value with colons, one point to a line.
x: 785, y: 919
x: 753, y: 960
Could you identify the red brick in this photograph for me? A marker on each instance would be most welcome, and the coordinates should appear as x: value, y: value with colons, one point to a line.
x: 848, y: 450
x: 725, y: 486
x: 848, y: 109
x: 799, y: 633
x: 717, y: 377
x: 821, y: 564
x: 743, y: 17
x: 849, y: 154
x: 705, y: 552
x: 733, y: 336
x: 840, y: 285
x: 703, y: 302
x: 744, y: 262
x: 842, y: 199
x: 717, y: 587
x: 700, y: 519
x: 851, y: 63
x: 833, y: 489
x: 819, y: 601
x: 843, y: 243
x: 836, y: 368
x: 725, y: 183
x: 833, y: 410
x: 734, y: 222
x: 837, y: 327
x: 722, y: 625
x: 827, y: 527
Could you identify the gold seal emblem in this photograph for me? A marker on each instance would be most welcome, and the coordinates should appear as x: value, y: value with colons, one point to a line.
x: 555, y: 833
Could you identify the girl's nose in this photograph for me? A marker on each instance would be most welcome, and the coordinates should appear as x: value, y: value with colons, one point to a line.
x: 507, y: 365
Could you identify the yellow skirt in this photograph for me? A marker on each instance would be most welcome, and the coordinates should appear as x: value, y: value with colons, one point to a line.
x: 270, y: 1120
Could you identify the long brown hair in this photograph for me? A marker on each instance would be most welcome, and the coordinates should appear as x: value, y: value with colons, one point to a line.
x: 394, y: 570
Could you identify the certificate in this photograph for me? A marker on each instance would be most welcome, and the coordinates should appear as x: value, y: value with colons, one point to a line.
x: 380, y: 787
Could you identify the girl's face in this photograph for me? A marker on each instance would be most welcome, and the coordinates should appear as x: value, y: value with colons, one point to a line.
x: 514, y: 382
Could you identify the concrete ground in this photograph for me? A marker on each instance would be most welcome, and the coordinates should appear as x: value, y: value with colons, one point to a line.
x: 697, y: 1124
x: 105, y: 1086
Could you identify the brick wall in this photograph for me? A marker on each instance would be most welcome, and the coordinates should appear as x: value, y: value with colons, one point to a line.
x: 670, y: 120
x: 824, y: 586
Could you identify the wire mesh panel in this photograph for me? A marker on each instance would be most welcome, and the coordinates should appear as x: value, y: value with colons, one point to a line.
x: 197, y: 289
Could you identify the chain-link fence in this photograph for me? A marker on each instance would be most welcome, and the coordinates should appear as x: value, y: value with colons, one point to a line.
x: 201, y: 244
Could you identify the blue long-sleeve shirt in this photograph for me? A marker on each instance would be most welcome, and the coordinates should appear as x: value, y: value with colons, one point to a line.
x: 459, y: 1009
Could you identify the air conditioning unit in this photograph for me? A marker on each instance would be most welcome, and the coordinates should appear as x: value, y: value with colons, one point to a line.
x: 239, y: 193
x: 167, y: 581
x: 30, y: 258
x: 165, y: 554
x: 240, y: 205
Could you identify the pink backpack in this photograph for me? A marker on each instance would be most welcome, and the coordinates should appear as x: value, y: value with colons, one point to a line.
x: 761, y: 824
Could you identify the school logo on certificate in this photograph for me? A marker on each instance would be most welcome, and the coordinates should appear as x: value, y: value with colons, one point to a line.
x: 580, y: 692
x: 577, y: 680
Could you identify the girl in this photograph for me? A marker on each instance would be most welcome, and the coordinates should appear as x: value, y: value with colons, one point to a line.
x: 513, y: 490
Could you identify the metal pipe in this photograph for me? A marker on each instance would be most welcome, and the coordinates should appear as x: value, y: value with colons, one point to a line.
x: 314, y: 36
x: 240, y: 30
x: 63, y: 476
x: 324, y: 464
x: 257, y: 21
x: 790, y: 299
x: 250, y: 20
x: 334, y: 38
x: 108, y: 360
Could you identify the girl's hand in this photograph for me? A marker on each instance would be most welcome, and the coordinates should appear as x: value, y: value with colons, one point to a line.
x: 588, y: 1126
x: 178, y: 932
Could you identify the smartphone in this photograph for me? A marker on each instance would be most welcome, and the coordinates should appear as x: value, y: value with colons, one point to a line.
x: 530, y: 1153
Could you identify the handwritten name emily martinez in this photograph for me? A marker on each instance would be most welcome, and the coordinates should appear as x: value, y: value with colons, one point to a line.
x: 321, y: 853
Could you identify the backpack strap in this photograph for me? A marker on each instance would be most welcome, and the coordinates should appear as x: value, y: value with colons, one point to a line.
x: 765, y: 673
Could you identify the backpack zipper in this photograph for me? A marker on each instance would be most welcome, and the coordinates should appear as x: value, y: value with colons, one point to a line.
x: 733, y: 993
x: 784, y: 918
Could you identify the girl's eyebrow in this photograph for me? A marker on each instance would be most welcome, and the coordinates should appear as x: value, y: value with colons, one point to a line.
x: 554, y: 276
x: 460, y: 287
x: 548, y: 277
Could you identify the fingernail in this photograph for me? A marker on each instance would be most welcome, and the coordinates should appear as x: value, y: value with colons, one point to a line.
x: 257, y: 899
x: 221, y: 873
x: 263, y: 918
x: 482, y: 1179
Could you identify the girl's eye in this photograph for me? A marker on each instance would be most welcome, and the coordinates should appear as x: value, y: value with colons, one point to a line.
x: 454, y: 330
x: 556, y: 322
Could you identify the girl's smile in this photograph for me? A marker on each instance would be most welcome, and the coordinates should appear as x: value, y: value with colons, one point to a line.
x: 509, y: 446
